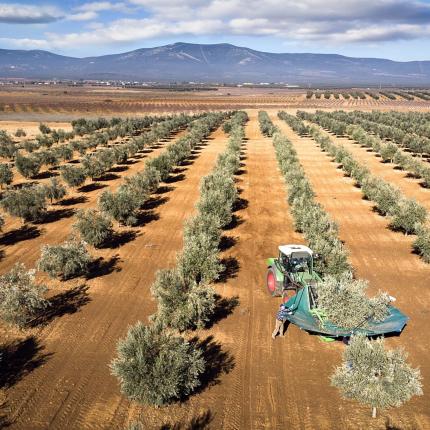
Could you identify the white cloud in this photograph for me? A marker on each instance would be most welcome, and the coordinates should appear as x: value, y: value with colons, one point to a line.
x: 352, y: 21
x: 12, y: 13
x: 83, y: 16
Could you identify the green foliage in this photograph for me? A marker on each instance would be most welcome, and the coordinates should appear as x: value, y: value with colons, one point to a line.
x: 65, y: 261
x: 374, y: 376
x: 199, y: 260
x: 28, y: 166
x: 20, y: 133
x: 6, y: 174
x: 266, y: 125
x: 142, y: 184
x: 309, y: 217
x: 28, y: 203
x: 73, y: 176
x: 54, y: 190
x: 93, y: 227
x: 156, y: 367
x: 408, y: 216
x: 217, y: 195
x: 422, y: 243
x: 182, y: 303
x: 93, y: 166
x: 122, y: 205
x: 44, y: 129
x: 344, y: 301
x: 20, y: 297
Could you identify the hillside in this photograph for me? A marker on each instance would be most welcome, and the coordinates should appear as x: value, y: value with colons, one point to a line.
x: 215, y: 63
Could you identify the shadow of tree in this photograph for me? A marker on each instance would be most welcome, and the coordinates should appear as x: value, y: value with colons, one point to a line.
x: 175, y: 178
x: 235, y: 222
x: 25, y: 232
x: 91, y: 187
x: 19, y: 359
x: 231, y: 268
x: 154, y: 202
x: 45, y: 175
x: 118, y: 169
x: 164, y: 189
x: 226, y: 243
x: 55, y: 215
x: 108, y: 177
x: 240, y: 204
x: 217, y: 361
x: 146, y: 217
x: 101, y: 267
x: 119, y: 239
x: 73, y: 201
x: 200, y: 422
x: 224, y: 306
x: 67, y: 302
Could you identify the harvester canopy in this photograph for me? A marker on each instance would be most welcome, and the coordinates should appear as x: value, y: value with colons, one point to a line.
x: 292, y: 276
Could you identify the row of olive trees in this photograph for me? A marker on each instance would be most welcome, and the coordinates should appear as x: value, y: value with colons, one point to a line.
x: 266, y: 125
x: 369, y: 374
x: 184, y: 296
x: 124, y: 204
x: 405, y: 214
x: 409, y: 131
x: 389, y: 152
x: 30, y: 202
x: 22, y: 299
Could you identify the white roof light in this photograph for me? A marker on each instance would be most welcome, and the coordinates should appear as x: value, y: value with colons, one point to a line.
x: 289, y: 249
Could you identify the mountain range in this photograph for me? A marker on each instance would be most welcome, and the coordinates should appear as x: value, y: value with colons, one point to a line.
x: 222, y: 63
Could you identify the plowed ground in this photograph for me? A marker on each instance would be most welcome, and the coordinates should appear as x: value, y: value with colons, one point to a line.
x: 254, y: 382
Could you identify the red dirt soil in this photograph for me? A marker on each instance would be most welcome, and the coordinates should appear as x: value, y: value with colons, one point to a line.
x: 262, y: 384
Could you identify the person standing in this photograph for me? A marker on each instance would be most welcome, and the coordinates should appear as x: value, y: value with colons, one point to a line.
x: 281, y: 317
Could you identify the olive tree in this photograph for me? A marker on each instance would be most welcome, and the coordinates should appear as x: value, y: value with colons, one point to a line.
x: 121, y: 205
x: 182, y: 303
x: 156, y: 367
x: 54, y: 190
x: 20, y: 133
x: 408, y: 215
x: 73, y: 176
x: 375, y: 376
x: 6, y: 174
x: 66, y: 260
x: 28, y: 203
x: 21, y: 298
x: 93, y: 227
x: 28, y: 166
x: 422, y: 243
x: 93, y: 166
x: 345, y: 303
x: 199, y: 260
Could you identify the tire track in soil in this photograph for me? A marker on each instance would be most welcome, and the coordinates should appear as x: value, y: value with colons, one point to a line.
x: 384, y: 258
x: 74, y: 388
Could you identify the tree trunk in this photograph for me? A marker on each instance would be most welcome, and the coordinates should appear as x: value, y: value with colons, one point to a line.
x: 373, y: 411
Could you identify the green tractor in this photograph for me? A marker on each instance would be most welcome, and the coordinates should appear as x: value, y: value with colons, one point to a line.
x: 291, y: 271
x: 292, y: 276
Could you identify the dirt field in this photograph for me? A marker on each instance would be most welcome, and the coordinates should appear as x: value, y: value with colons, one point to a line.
x: 63, y: 103
x: 62, y: 379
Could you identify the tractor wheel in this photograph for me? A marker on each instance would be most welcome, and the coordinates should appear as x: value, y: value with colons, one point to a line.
x: 272, y: 284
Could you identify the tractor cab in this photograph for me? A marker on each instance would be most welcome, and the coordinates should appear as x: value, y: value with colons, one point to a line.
x: 291, y: 270
x: 296, y: 258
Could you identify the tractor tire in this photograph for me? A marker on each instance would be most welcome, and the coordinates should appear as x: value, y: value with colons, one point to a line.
x: 272, y: 283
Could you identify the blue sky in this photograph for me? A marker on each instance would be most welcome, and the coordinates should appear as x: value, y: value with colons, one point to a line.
x: 393, y: 29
